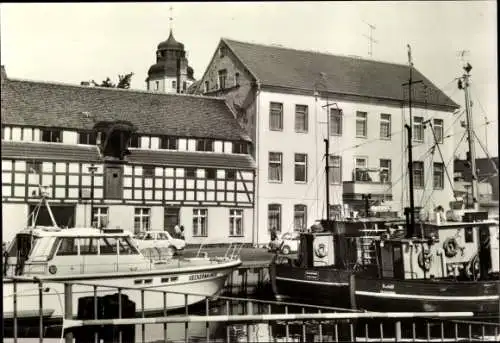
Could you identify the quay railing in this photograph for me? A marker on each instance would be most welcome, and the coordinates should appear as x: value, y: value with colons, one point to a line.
x: 292, y: 321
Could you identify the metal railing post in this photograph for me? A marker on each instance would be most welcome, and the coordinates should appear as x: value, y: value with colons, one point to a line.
x: 207, y: 325
x: 40, y: 310
x: 68, y: 310
x: 143, y: 326
x: 165, y: 314
x: 15, y: 310
x: 397, y: 331
x: 186, y: 338
x: 287, y: 329
x: 96, y: 334
x: 119, y: 314
x: 303, y: 326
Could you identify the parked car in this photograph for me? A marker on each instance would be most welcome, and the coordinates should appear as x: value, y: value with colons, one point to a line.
x: 289, y: 243
x: 159, y: 239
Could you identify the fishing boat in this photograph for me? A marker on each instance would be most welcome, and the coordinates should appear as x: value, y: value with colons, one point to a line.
x: 443, y: 264
x: 329, y: 253
x: 51, y: 256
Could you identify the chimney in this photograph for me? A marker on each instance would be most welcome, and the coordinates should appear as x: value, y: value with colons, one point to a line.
x: 3, y: 75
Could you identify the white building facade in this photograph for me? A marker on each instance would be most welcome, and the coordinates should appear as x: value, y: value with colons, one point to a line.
x: 289, y: 114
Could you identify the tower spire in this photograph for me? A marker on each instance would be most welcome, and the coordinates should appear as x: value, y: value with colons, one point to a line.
x: 171, y: 18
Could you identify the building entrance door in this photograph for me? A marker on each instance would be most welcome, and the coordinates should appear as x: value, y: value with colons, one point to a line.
x: 171, y: 219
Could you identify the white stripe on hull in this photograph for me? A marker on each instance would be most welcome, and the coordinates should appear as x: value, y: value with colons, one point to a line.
x: 336, y: 284
x: 427, y: 297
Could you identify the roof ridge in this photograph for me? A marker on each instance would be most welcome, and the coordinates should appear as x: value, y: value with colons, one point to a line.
x: 56, y: 83
x: 316, y: 52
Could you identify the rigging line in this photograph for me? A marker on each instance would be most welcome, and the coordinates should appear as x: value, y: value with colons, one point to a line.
x: 477, y: 98
x: 436, y: 143
x: 486, y: 152
x: 361, y: 144
x: 428, y: 177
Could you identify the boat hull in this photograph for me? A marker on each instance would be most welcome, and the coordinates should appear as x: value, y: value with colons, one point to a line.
x: 480, y: 297
x: 320, y: 286
x: 198, y: 283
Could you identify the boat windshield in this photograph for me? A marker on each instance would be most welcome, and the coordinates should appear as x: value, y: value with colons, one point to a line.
x: 456, y: 205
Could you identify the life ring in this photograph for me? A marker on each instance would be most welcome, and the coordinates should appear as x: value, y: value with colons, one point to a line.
x: 320, y: 250
x: 425, y: 260
x: 450, y: 246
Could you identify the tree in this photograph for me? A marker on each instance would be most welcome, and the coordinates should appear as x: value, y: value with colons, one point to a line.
x: 123, y: 82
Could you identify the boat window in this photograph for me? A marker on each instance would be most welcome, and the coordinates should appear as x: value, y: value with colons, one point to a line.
x: 68, y: 246
x: 42, y: 247
x: 107, y: 245
x: 126, y: 247
x: 469, y: 235
x: 148, y: 236
x: 162, y: 235
x: 88, y: 246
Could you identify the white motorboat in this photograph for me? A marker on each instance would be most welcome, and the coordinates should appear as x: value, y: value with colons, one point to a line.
x: 100, y: 257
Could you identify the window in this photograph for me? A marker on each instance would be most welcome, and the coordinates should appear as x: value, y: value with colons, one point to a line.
x: 207, y: 86
x: 361, y: 124
x: 335, y: 169
x: 87, y: 138
x: 204, y: 145
x: 222, y: 78
x: 385, y: 171
x: 184, y: 86
x: 418, y: 129
x: 335, y: 122
x: 141, y: 219
x: 235, y: 222
x: 169, y: 143
x: 361, y: 174
x: 300, y: 167
x: 240, y: 148
x: 107, y: 246
x: 438, y: 130
x: 200, y: 222
x: 134, y: 141
x: 148, y: 171
x: 469, y: 235
x: 100, y: 217
x: 438, y: 175
x: 222, y: 51
x: 88, y: 246
x: 385, y: 126
x: 7, y: 133
x: 301, y: 118
x: 299, y: 217
x: 126, y: 247
x: 276, y: 116
x: 418, y: 174
x: 210, y: 174
x: 174, y: 84
x: 274, y: 217
x: 275, y: 166
x: 230, y: 175
x: 51, y: 136
x: 237, y: 79
x: 157, y: 85
x: 190, y: 173
x: 34, y: 167
x: 68, y: 246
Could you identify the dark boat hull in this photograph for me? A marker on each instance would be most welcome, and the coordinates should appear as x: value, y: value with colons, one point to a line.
x: 480, y: 297
x: 320, y: 286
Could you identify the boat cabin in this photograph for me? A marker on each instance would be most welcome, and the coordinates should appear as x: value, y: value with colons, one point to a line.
x: 456, y: 250
x: 54, y: 252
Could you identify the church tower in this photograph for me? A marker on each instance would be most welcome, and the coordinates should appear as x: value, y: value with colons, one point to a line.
x: 171, y: 72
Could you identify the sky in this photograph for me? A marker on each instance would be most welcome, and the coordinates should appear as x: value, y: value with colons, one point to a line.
x: 73, y: 42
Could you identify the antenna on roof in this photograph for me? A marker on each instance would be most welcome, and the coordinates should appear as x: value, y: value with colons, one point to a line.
x: 370, y: 38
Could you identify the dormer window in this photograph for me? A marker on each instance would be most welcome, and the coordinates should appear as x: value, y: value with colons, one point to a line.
x: 134, y: 141
x: 51, y: 135
x: 85, y: 137
x: 204, y: 145
x: 222, y: 78
x: 240, y: 148
x: 169, y: 143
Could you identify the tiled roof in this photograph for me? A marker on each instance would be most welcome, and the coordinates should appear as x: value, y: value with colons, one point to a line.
x: 191, y: 159
x: 77, y: 107
x: 49, y: 151
x: 65, y: 152
x: 303, y: 70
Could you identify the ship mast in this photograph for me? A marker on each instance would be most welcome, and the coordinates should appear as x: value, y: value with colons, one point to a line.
x: 463, y: 83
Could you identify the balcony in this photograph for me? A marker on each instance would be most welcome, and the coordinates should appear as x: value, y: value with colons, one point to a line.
x: 367, y: 181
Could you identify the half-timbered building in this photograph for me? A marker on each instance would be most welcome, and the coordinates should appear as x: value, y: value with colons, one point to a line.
x: 126, y: 159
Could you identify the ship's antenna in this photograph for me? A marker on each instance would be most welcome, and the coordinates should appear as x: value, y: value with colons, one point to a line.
x: 370, y: 38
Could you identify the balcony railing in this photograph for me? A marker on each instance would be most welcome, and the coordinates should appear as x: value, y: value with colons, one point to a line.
x: 368, y: 181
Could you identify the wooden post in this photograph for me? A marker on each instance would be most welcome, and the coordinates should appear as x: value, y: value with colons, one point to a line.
x: 68, y: 310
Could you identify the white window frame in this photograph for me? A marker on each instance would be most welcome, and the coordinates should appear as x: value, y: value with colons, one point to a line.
x: 387, y: 168
x: 235, y: 214
x: 275, y: 112
x: 299, y: 214
x: 336, y: 113
x: 277, y: 163
x: 385, y: 122
x: 418, y: 129
x: 100, y: 216
x: 335, y: 162
x: 278, y: 211
x: 438, y: 126
x: 200, y: 222
x: 362, y: 118
x: 440, y: 182
x: 363, y: 167
x: 142, y: 213
x: 303, y: 112
x: 300, y: 164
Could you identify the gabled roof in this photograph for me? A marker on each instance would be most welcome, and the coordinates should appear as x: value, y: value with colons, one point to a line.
x: 43, y: 104
x: 275, y: 66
